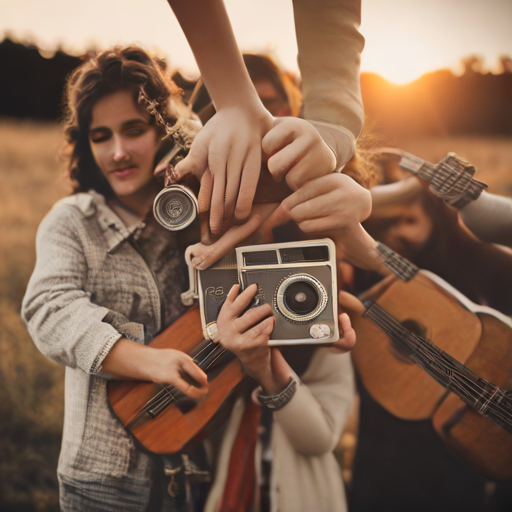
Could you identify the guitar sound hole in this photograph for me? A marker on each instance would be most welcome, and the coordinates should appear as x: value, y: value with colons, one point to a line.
x: 400, y: 351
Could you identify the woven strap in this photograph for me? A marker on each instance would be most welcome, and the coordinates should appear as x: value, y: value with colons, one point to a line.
x: 451, y: 179
x: 401, y: 267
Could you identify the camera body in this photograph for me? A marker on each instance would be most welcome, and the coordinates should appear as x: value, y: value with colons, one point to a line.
x: 297, y: 279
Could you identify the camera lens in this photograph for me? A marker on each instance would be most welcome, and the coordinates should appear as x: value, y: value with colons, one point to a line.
x: 301, y: 298
x: 175, y: 207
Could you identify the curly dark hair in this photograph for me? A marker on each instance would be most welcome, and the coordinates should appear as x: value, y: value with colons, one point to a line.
x: 111, y: 70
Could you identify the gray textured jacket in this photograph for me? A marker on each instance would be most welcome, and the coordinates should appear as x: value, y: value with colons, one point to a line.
x: 92, y: 285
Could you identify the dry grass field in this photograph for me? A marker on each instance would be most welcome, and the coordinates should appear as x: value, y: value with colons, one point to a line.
x: 31, y: 387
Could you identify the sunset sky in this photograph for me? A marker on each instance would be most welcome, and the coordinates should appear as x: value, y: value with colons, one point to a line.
x: 404, y: 38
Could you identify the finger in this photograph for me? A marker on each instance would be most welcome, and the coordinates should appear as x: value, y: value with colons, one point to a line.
x: 217, y: 164
x: 320, y: 225
x: 252, y: 317
x: 248, y: 183
x: 189, y: 389
x: 259, y: 334
x: 208, y: 255
x: 284, y: 160
x: 194, y: 163
x: 234, y: 172
x: 194, y: 372
x: 306, y: 169
x: 231, y: 296
x: 313, y: 189
x: 160, y: 169
x: 278, y: 137
x: 347, y: 335
x: 205, y: 192
x: 280, y: 216
x: 319, y: 206
x: 243, y: 300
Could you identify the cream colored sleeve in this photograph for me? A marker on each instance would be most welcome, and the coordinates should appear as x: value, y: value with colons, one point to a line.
x: 314, y: 418
x: 330, y: 46
x: 490, y: 218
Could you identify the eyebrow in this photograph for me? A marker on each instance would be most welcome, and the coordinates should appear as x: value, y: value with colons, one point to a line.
x: 126, y: 124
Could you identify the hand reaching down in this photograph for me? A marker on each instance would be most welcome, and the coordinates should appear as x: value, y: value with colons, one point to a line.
x: 297, y: 152
x: 226, y: 158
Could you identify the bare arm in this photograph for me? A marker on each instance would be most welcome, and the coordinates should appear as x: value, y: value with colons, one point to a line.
x: 226, y: 155
x: 128, y: 359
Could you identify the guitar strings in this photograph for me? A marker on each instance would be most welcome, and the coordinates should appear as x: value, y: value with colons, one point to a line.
x: 494, y: 410
x: 398, y: 329
x: 444, y: 361
x: 165, y: 396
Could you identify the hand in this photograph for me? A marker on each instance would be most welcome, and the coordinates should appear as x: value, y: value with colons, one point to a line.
x: 297, y: 152
x: 332, y: 202
x: 178, y: 369
x: 226, y: 157
x: 247, y: 337
x: 128, y: 359
x: 201, y: 256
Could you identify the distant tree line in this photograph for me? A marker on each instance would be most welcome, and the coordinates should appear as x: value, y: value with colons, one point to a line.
x: 438, y: 103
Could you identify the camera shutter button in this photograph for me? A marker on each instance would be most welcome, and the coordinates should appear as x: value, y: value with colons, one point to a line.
x: 320, y: 331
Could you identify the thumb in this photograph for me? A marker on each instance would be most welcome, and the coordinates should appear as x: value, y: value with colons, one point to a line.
x: 194, y: 163
x: 280, y: 368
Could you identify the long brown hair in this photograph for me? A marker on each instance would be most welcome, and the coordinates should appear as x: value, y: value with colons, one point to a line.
x: 115, y: 69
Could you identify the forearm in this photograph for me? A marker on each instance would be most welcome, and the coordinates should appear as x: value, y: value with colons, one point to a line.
x: 329, y: 57
x: 490, y: 218
x: 314, y: 418
x: 208, y: 30
x: 128, y: 359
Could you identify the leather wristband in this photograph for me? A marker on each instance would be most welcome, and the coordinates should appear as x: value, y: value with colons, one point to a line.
x: 278, y: 401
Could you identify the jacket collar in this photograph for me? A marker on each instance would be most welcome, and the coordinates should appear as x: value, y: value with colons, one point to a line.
x: 114, y: 229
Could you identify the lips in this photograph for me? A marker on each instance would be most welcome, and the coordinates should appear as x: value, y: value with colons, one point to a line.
x: 123, y: 172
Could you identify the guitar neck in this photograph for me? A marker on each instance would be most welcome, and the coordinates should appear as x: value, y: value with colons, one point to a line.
x: 480, y: 394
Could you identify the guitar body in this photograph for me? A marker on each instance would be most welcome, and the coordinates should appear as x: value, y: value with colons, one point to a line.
x: 475, y: 439
x: 480, y: 341
x: 185, y: 418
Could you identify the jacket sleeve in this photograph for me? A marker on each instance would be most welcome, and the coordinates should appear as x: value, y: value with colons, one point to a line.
x: 490, y: 218
x: 330, y: 47
x: 314, y: 418
x: 61, y: 319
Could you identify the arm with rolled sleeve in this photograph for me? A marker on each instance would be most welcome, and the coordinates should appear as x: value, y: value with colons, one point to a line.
x: 314, y: 418
x: 330, y: 47
x: 63, y: 322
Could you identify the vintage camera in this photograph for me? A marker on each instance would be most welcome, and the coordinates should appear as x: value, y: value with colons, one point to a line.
x: 297, y: 279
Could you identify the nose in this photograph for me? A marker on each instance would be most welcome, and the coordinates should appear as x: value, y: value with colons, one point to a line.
x: 120, y: 149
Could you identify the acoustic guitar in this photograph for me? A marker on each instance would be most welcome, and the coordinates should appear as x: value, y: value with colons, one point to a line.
x: 425, y: 351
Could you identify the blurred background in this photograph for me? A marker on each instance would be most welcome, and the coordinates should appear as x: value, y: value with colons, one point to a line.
x: 437, y: 77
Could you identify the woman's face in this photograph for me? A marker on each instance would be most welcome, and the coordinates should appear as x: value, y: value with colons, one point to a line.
x: 124, y: 144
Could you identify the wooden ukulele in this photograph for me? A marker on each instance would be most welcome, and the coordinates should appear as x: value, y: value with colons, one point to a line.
x: 425, y: 351
x: 162, y: 418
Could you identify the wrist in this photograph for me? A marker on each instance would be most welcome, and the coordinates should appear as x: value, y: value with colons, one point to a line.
x: 278, y: 400
x: 274, y: 384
